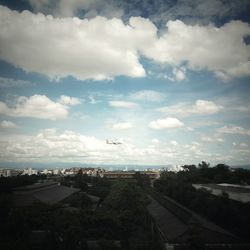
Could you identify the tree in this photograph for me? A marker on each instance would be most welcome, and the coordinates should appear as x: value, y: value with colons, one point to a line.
x: 143, y: 180
x: 190, y: 167
x: 203, y: 165
x: 127, y: 204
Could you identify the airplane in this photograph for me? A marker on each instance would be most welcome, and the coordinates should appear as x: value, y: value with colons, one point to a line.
x: 114, y: 142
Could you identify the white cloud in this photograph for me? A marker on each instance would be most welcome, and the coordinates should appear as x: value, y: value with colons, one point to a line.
x: 37, y: 106
x: 234, y: 130
x: 155, y: 141
x: 179, y: 74
x: 59, y: 47
x: 167, y: 123
x: 176, y: 168
x: 122, y: 125
x: 122, y: 104
x: 148, y: 95
x: 93, y: 100
x: 205, y: 123
x: 240, y: 145
x: 67, y: 100
x: 208, y: 139
x: 174, y: 143
x: 7, y: 124
x: 68, y: 146
x: 239, y: 108
x: 50, y: 146
x: 92, y: 48
x: 203, y: 47
x: 201, y: 107
x: 206, y: 107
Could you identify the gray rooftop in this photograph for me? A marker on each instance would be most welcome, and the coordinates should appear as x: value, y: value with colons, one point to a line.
x: 50, y: 194
x: 228, y: 187
x: 176, y: 223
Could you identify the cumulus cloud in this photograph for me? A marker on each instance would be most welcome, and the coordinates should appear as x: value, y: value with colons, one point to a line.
x: 50, y: 145
x: 179, y: 74
x: 147, y: 95
x: 167, y: 123
x: 203, y: 47
x: 59, y: 47
x: 234, y: 130
x: 123, y: 104
x: 7, y: 124
x: 67, y: 100
x: 37, y: 106
x: 70, y: 146
x: 91, y: 48
x: 122, y: 125
x: 201, y: 107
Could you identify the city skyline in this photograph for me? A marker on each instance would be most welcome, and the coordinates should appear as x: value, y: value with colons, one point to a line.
x: 168, y: 80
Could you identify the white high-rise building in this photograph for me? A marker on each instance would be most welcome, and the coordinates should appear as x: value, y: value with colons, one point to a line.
x: 29, y: 171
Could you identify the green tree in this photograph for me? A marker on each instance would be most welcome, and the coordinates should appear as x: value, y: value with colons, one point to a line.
x: 127, y: 204
x: 203, y: 164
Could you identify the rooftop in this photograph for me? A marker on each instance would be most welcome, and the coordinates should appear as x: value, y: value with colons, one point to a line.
x: 176, y: 223
x: 49, y: 193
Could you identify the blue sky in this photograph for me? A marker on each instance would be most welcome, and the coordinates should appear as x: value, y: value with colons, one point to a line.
x: 167, y: 79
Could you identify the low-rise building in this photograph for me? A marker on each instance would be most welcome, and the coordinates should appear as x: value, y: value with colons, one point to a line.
x: 130, y: 174
x: 49, y: 193
x: 235, y: 192
x: 8, y: 172
x: 29, y: 171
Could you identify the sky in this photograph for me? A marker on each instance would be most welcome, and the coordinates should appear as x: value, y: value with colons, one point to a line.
x: 168, y: 79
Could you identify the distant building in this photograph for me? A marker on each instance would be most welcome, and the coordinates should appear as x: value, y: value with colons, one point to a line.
x: 46, y: 172
x: 56, y: 171
x: 9, y: 172
x: 130, y: 174
x: 235, y: 192
x: 29, y: 171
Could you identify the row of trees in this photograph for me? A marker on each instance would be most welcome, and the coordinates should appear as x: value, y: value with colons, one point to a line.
x: 7, y: 184
x: 220, y: 173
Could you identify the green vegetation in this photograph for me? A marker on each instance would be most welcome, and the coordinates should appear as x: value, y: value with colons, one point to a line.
x: 7, y: 184
x: 232, y: 215
x: 120, y: 217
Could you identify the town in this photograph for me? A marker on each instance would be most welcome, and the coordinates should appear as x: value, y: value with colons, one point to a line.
x: 151, y: 209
